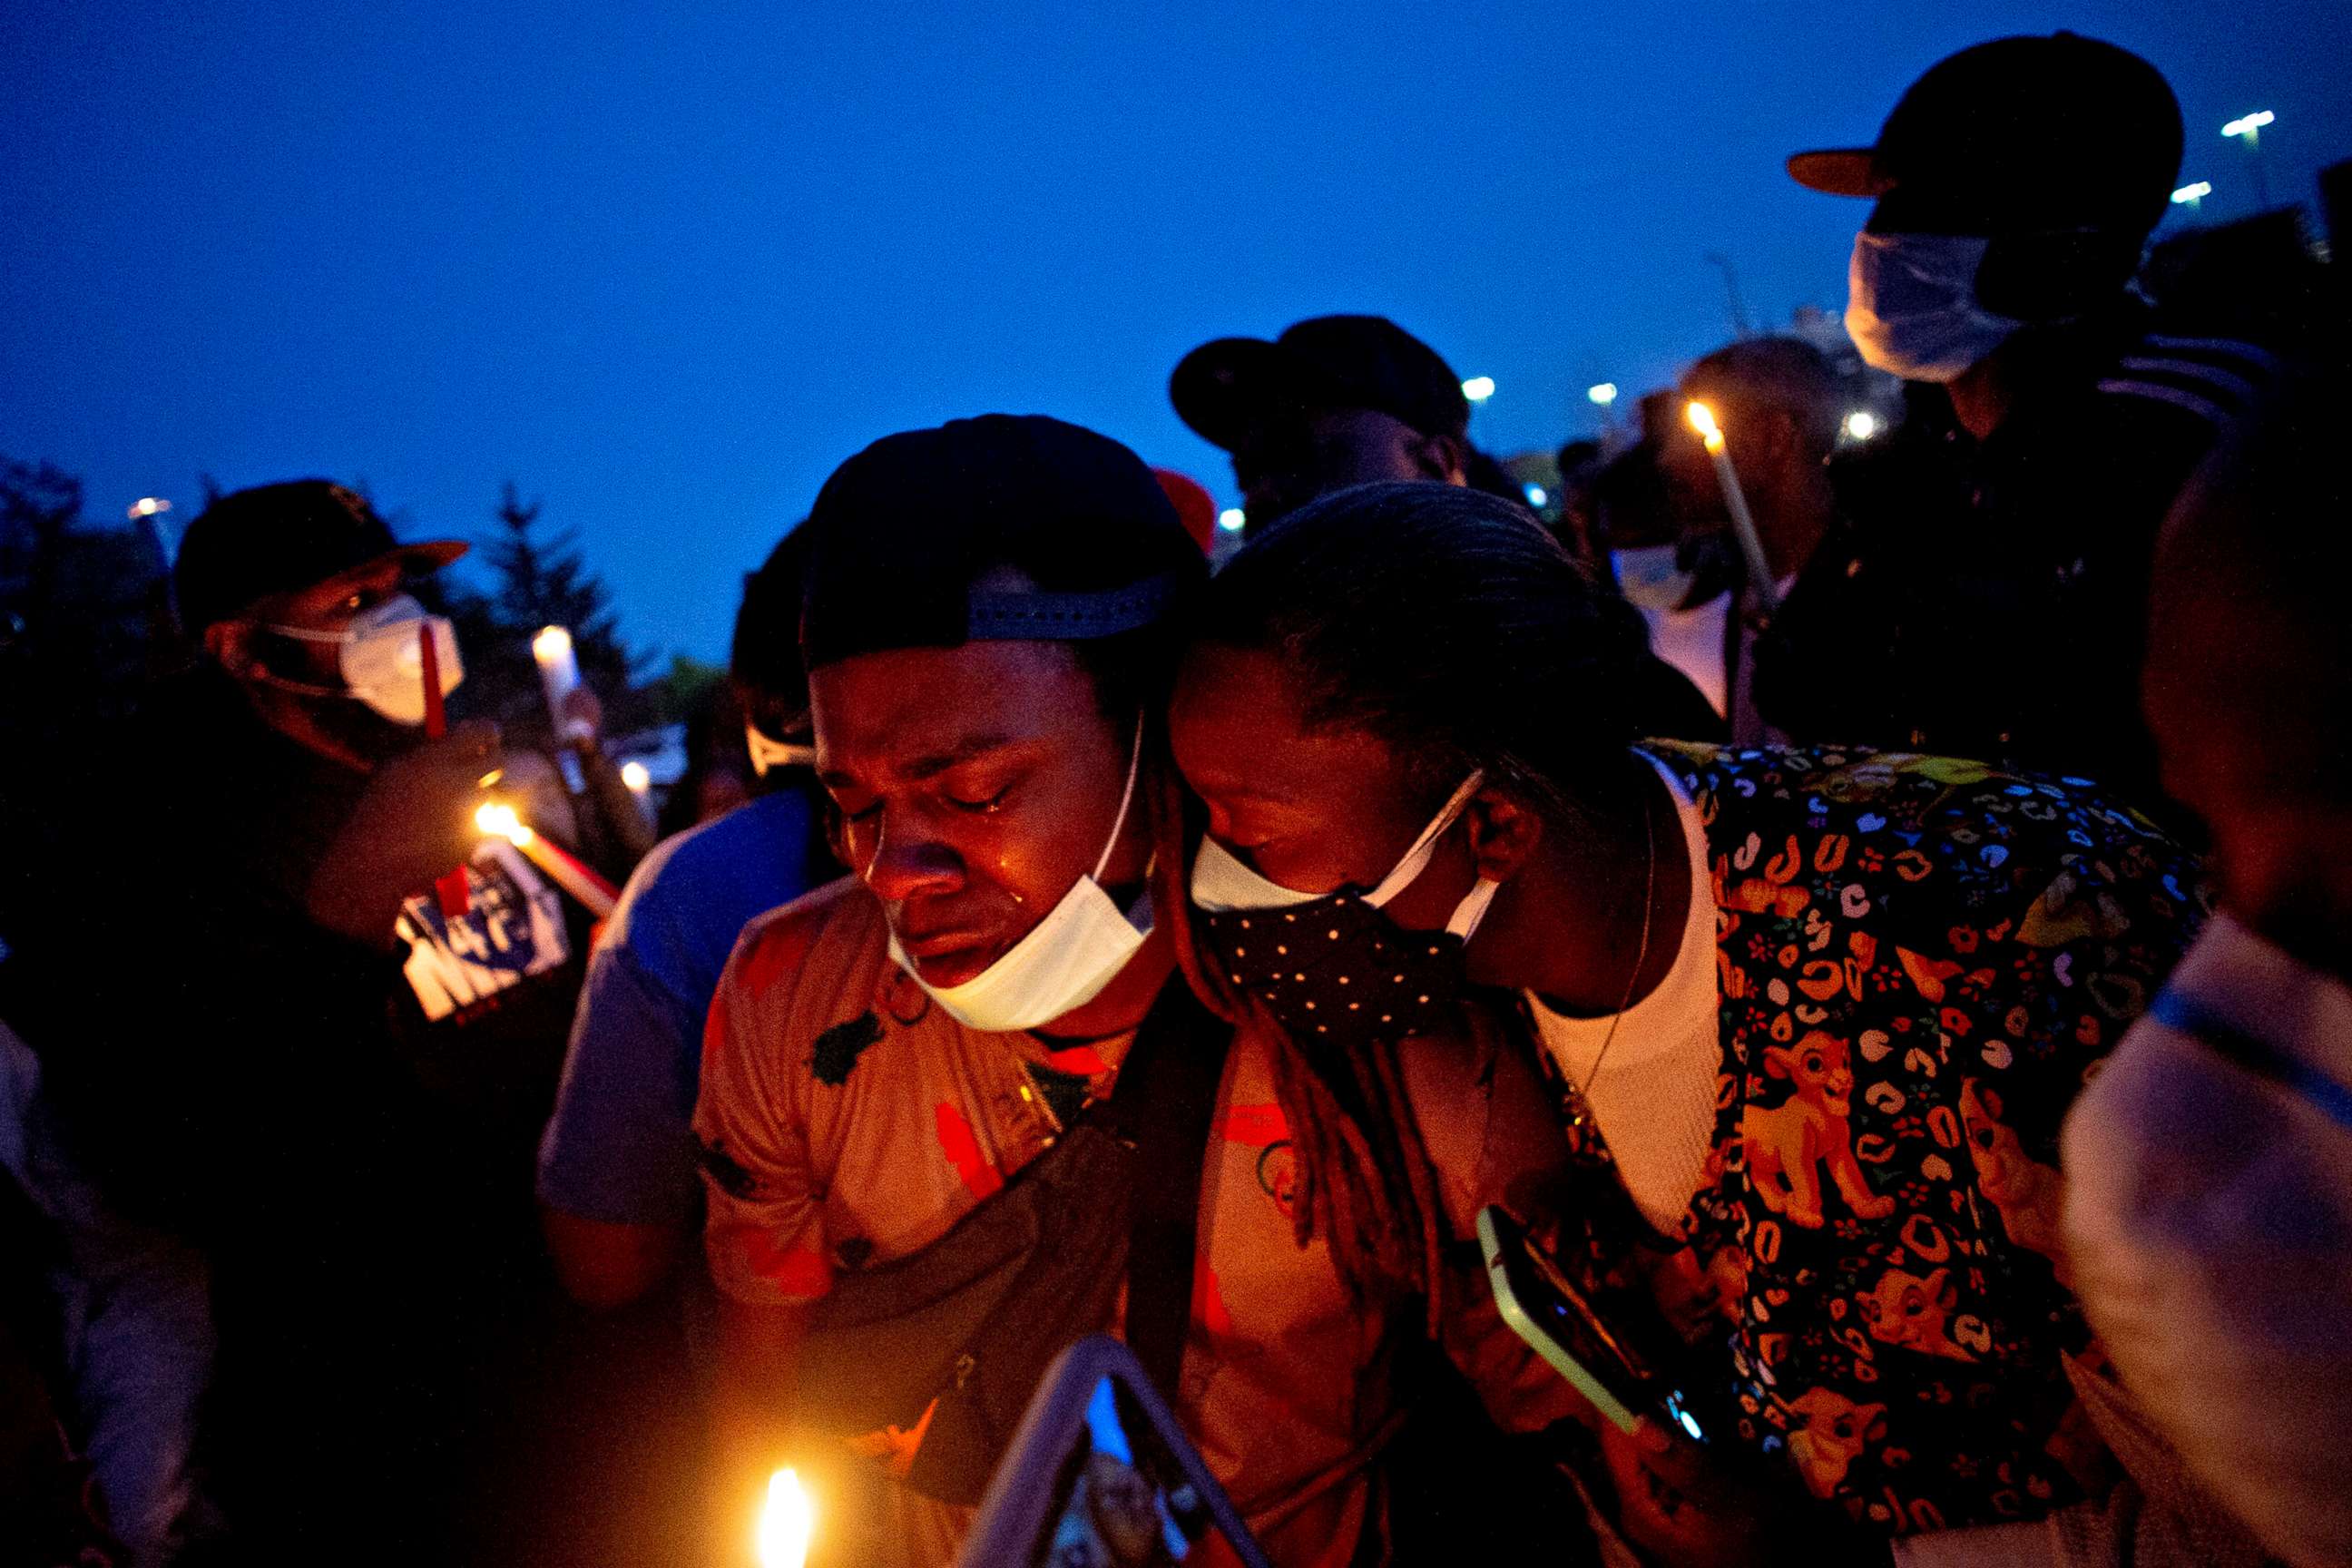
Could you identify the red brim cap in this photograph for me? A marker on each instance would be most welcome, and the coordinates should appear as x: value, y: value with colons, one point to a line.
x: 1841, y: 172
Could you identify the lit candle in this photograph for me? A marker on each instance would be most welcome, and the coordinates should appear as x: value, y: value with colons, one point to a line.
x: 559, y: 674
x: 786, y: 1524
x: 596, y: 894
x: 1743, y: 521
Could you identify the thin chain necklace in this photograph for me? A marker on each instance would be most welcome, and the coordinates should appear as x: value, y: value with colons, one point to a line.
x: 1641, y: 954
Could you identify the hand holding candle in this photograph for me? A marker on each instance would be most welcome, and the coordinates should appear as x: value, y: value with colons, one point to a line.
x: 1743, y: 521
x: 559, y: 677
x: 561, y: 867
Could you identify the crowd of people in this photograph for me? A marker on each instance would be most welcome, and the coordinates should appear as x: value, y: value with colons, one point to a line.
x: 1952, y: 826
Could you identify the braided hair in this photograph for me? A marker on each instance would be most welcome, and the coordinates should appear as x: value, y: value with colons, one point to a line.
x: 1451, y: 627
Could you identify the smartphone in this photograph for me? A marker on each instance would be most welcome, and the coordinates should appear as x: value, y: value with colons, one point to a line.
x: 1559, y: 1325
x: 1102, y: 1475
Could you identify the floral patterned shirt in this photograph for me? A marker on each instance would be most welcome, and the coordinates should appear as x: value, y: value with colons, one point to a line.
x: 1919, y: 961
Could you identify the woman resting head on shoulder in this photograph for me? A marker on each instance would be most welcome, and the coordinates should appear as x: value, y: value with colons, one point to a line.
x: 1822, y: 1011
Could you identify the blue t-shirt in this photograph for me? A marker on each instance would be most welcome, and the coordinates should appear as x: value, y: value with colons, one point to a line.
x: 620, y: 1147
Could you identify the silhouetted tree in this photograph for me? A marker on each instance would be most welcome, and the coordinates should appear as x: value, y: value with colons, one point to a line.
x: 539, y: 579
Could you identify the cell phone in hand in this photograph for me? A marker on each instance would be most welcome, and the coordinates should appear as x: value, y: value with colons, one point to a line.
x: 1561, y: 1326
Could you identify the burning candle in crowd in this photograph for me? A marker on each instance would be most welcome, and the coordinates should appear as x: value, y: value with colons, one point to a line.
x: 786, y: 1524
x: 594, y: 893
x: 640, y: 780
x: 559, y: 674
x: 1743, y: 521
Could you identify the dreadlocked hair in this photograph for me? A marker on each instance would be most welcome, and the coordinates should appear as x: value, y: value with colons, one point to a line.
x: 1450, y: 626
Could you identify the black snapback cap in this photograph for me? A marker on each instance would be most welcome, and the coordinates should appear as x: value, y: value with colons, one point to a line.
x: 904, y: 535
x: 1226, y: 389
x: 2050, y: 132
x: 272, y: 539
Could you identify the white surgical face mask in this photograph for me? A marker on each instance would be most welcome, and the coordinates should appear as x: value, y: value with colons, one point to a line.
x: 1065, y: 961
x: 1220, y: 882
x: 379, y: 661
x: 1650, y: 577
x: 2205, y: 1215
x: 1911, y: 304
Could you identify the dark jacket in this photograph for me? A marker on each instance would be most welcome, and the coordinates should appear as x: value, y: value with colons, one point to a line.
x: 1988, y: 598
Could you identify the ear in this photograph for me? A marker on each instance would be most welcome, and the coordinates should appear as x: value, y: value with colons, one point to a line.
x: 1441, y: 457
x: 1503, y: 834
x: 231, y: 644
x: 1778, y: 1062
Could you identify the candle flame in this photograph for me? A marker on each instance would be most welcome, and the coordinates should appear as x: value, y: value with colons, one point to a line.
x: 786, y: 1524
x: 552, y: 644
x: 1702, y: 419
x: 501, y: 821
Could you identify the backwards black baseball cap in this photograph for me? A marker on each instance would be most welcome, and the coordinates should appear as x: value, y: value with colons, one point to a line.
x: 1002, y: 528
x: 1227, y: 389
x: 2023, y: 133
x: 273, y: 539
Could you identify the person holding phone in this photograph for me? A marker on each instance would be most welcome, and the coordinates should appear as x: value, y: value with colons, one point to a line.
x: 1814, y: 1016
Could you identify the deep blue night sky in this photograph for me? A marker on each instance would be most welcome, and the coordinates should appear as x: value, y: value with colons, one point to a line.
x: 665, y: 270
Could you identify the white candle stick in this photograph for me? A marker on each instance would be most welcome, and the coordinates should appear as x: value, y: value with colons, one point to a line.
x: 559, y: 675
x: 1743, y: 521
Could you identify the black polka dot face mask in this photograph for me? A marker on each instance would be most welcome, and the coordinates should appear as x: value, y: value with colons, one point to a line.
x: 1333, y: 968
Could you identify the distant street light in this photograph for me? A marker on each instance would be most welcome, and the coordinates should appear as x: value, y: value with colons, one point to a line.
x: 1478, y: 388
x: 1233, y: 520
x: 147, y: 507
x: 1603, y: 393
x: 2192, y: 196
x: 1860, y: 425
x: 2249, y: 129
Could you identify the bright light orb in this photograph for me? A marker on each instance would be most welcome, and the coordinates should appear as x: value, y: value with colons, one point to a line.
x: 1538, y: 495
x: 1478, y: 388
x: 1702, y: 419
x: 787, y: 1522
x: 638, y: 776
x: 2196, y: 192
x: 1601, y: 392
x: 1862, y: 425
x: 1233, y: 520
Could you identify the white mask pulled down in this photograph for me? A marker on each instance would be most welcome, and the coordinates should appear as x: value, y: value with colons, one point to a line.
x: 379, y: 661
x: 1066, y: 959
x: 1911, y: 305
x: 1222, y: 882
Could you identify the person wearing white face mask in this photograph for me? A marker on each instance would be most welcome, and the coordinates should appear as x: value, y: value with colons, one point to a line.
x: 961, y: 1108
x: 238, y: 988
x: 2015, y: 186
x: 2209, y: 1204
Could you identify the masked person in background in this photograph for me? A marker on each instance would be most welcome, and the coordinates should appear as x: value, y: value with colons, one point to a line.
x: 2015, y: 186
x: 262, y: 1026
x: 1814, y: 1016
x: 962, y: 1108
x: 2208, y: 1205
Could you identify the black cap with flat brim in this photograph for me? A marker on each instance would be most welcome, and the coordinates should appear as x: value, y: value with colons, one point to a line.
x: 2023, y: 133
x: 255, y: 544
x: 1233, y: 387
